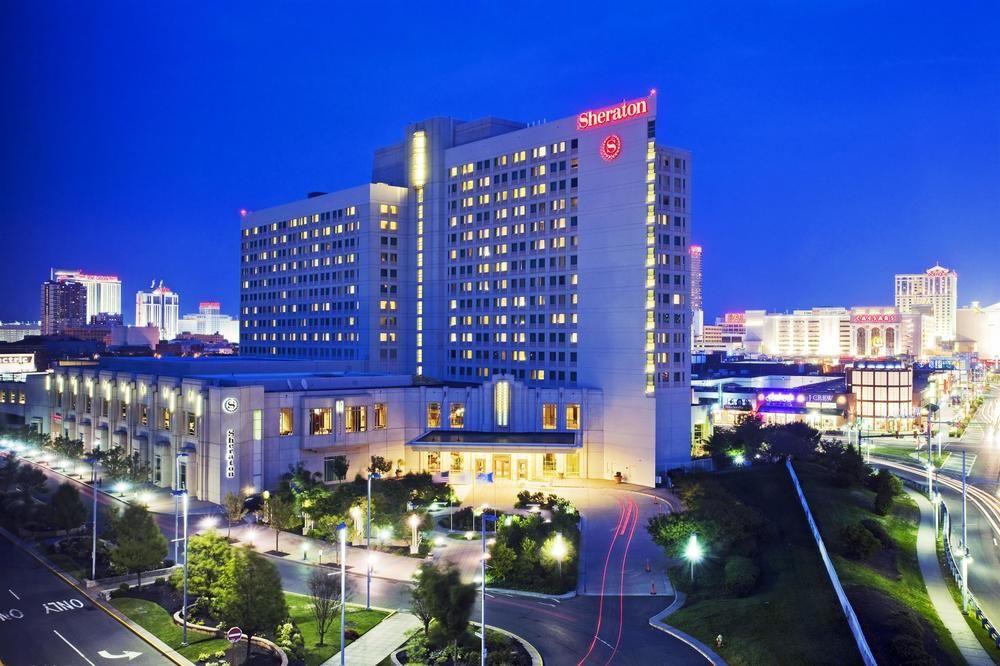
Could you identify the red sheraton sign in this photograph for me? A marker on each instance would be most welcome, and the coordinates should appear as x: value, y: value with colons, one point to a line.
x: 612, y: 114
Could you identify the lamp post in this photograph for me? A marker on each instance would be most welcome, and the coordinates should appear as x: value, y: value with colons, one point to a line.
x: 936, y: 503
x: 414, y: 521
x: 966, y: 560
x: 342, y: 533
x: 559, y: 552
x: 184, y: 604
x: 93, y: 491
x: 368, y: 540
x: 930, y: 482
x: 693, y: 552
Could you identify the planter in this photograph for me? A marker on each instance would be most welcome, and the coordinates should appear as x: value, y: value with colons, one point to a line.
x: 219, y: 633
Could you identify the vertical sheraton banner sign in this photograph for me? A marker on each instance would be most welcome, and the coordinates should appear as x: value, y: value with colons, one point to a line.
x: 230, y: 453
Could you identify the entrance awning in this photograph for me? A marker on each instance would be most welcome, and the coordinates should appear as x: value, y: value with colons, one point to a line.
x: 496, y: 442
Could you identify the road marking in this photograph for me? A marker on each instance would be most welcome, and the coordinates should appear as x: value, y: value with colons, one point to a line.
x: 12, y: 614
x: 127, y: 654
x: 60, y: 606
x: 605, y: 642
x: 82, y: 656
x: 13, y: 594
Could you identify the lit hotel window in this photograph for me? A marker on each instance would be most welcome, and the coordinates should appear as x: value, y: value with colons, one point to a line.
x: 434, y: 415
x: 572, y: 416
x: 456, y: 415
x: 320, y: 421
x: 357, y: 419
x: 381, y: 416
x: 285, y: 422
x: 549, y: 416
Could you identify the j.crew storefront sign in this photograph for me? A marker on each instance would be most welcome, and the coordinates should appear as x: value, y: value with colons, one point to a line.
x: 612, y: 114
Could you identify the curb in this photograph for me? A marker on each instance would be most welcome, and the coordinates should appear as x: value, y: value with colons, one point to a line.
x: 657, y: 623
x: 536, y: 658
x: 143, y: 634
x: 535, y: 595
x: 259, y: 640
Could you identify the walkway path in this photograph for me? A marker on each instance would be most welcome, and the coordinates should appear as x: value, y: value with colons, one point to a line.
x: 937, y: 588
x: 378, y: 642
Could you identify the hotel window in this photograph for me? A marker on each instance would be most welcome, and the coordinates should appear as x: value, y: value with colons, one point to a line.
x: 357, y: 419
x: 191, y: 424
x: 105, y: 405
x: 549, y: 419
x: 258, y: 424
x: 88, y: 403
x: 433, y: 462
x: 572, y: 416
x: 320, y: 421
x: 122, y: 411
x: 501, y: 403
x: 144, y: 415
x: 286, y: 422
x: 165, y: 418
x: 456, y: 462
x: 549, y: 463
x: 381, y: 416
x: 433, y: 415
x: 456, y: 415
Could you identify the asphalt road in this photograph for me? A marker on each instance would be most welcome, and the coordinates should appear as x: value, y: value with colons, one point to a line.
x: 45, y: 621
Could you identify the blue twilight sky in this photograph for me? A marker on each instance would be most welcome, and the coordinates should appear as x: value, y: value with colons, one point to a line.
x: 833, y: 145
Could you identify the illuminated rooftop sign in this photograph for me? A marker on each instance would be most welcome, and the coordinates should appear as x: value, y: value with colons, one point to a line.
x: 612, y: 114
x: 876, y: 318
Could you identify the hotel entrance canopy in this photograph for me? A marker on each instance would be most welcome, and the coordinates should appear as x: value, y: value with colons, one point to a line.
x: 496, y: 442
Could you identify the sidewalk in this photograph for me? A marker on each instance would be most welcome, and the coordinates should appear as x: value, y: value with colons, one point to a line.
x: 937, y: 588
x: 384, y: 565
x: 379, y: 642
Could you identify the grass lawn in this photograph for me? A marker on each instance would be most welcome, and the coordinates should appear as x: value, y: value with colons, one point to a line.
x: 358, y: 619
x: 982, y: 635
x: 880, y: 587
x: 156, y: 620
x: 793, y: 617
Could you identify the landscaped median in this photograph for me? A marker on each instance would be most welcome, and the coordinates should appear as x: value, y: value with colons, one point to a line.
x: 204, y: 648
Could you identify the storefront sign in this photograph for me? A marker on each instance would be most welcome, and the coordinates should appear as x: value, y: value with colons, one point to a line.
x: 612, y: 114
x: 230, y: 453
x: 876, y: 318
x: 16, y: 363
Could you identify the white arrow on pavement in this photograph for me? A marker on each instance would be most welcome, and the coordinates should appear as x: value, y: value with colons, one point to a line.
x: 125, y: 655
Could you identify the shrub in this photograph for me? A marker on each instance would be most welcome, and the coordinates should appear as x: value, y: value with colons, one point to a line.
x: 160, y: 580
x: 123, y: 587
x: 857, y: 542
x: 878, y: 531
x: 886, y: 487
x: 741, y: 575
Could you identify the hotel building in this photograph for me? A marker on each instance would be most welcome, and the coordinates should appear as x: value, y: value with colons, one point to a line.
x: 158, y: 308
x: 936, y: 288
x: 63, y: 305
x: 554, y: 254
x: 103, y: 292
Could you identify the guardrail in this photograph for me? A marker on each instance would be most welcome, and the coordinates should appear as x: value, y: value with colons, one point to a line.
x: 845, y: 605
x: 952, y: 558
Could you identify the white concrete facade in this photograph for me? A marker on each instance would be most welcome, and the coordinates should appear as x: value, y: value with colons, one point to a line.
x: 937, y: 288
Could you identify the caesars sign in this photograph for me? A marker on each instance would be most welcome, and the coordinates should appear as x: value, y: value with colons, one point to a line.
x: 876, y: 318
x: 15, y: 363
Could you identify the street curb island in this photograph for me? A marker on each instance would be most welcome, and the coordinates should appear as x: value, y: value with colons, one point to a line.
x: 536, y: 657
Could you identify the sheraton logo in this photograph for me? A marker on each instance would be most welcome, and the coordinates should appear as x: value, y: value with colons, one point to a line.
x: 612, y: 114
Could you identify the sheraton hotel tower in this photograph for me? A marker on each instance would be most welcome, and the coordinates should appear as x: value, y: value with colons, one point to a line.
x: 501, y: 297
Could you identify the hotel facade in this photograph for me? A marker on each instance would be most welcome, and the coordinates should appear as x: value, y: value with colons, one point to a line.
x: 554, y: 254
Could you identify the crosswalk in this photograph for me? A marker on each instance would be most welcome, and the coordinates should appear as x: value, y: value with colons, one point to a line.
x: 953, y: 465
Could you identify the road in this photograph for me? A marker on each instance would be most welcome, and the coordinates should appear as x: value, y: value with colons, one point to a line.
x: 44, y: 620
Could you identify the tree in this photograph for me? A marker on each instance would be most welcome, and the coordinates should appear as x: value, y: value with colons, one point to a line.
x: 10, y: 468
x: 380, y: 465
x: 454, y: 606
x: 887, y: 486
x: 423, y: 593
x: 140, y: 544
x: 30, y: 479
x: 66, y: 509
x: 281, y: 514
x: 251, y: 597
x: 324, y: 597
x: 340, y: 467
x: 208, y: 556
x: 235, y: 509
x: 502, y: 560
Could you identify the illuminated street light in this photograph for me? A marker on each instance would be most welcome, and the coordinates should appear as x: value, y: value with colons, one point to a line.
x: 693, y: 553
x: 559, y: 551
x: 208, y: 522
x: 414, y: 522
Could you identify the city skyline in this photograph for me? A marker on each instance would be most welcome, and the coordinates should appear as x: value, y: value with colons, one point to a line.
x: 759, y: 193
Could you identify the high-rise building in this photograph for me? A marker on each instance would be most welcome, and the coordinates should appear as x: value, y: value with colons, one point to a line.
x: 555, y: 254
x: 63, y: 304
x: 15, y: 331
x: 209, y: 320
x: 158, y: 307
x: 697, y: 311
x: 980, y: 326
x: 937, y: 287
x: 104, y: 292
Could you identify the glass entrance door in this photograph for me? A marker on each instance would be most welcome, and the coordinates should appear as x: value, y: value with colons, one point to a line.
x: 501, y: 466
x: 522, y: 468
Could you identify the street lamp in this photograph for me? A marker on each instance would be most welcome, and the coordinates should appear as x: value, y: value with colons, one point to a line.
x: 693, y: 553
x: 184, y: 605
x: 414, y: 522
x: 93, y: 491
x: 966, y: 561
x: 368, y: 539
x: 305, y: 551
x: 936, y: 502
x: 342, y: 533
x: 930, y: 482
x: 559, y: 551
